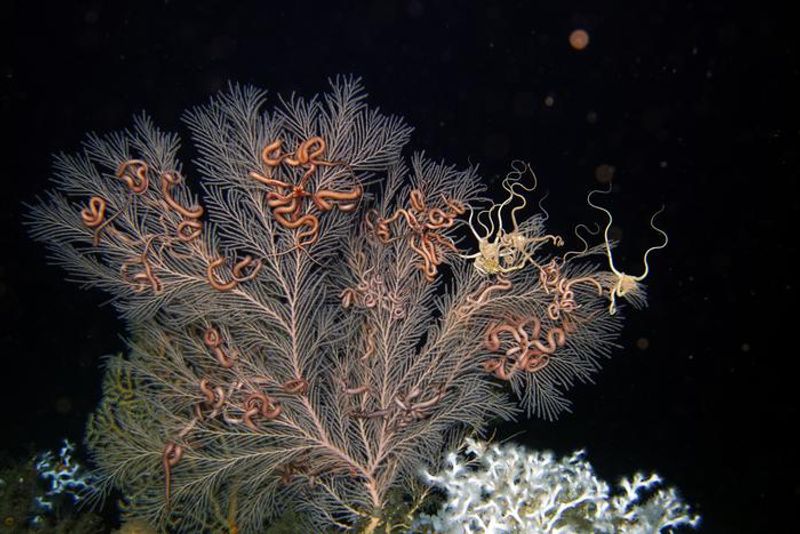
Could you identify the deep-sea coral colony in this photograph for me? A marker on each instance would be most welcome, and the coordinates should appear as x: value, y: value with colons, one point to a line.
x: 505, y: 488
x: 289, y: 342
x: 65, y: 479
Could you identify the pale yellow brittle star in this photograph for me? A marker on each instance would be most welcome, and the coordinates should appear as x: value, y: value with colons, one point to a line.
x: 500, y: 251
x: 625, y: 284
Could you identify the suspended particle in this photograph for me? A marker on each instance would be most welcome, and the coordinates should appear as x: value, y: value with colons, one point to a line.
x: 603, y: 173
x: 579, y: 39
x: 63, y: 405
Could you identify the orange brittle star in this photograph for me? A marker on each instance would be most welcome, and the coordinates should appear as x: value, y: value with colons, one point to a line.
x: 286, y: 200
x: 425, y: 224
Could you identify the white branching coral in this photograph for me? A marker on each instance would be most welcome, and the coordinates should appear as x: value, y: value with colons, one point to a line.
x: 505, y: 488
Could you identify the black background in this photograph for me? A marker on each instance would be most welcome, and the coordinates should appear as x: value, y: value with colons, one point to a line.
x: 692, y: 103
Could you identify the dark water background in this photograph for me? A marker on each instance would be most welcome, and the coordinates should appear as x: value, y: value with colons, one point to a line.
x: 693, y: 104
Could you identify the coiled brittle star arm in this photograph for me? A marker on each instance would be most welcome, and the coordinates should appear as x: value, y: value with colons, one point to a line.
x: 238, y: 272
